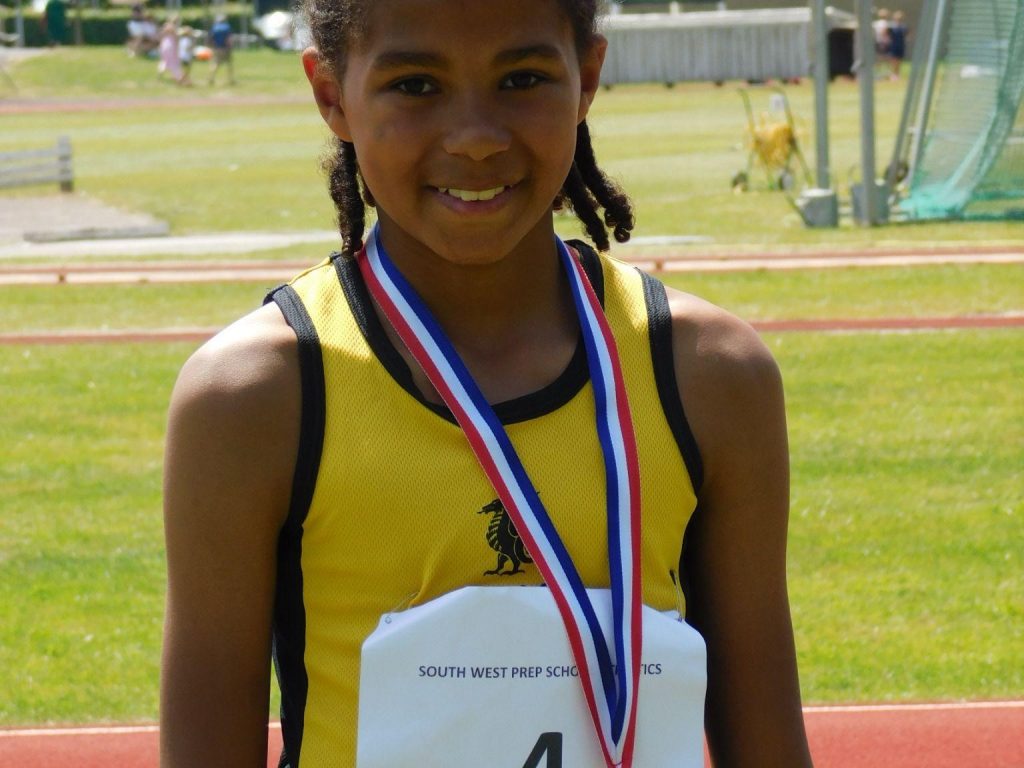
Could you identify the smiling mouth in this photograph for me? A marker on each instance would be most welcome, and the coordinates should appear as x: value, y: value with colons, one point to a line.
x: 472, y: 195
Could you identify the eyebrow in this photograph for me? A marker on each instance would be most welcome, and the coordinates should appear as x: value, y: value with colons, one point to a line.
x: 540, y: 51
x: 401, y: 59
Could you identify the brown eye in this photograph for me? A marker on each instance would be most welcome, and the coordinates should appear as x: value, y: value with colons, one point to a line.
x: 522, y: 80
x: 415, y: 86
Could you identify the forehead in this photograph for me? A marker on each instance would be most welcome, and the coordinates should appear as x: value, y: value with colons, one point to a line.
x: 461, y: 26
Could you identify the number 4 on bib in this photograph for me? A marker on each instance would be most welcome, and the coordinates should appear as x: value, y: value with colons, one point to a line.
x: 549, y: 744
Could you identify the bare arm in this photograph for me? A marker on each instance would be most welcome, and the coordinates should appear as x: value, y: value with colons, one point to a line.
x: 231, y: 446
x: 736, y: 554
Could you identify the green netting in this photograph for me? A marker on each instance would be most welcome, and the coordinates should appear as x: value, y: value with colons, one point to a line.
x: 972, y: 157
x: 999, y: 193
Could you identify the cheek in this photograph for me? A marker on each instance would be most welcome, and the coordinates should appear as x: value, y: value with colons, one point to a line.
x: 554, y: 120
x: 392, y: 132
x: 554, y: 137
x: 387, y: 149
x: 389, y: 171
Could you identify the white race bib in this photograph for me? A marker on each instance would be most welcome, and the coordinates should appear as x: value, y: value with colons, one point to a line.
x: 483, y: 677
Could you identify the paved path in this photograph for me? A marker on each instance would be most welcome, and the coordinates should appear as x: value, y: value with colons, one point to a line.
x: 29, y: 221
x: 214, y: 244
x: 76, y: 226
x: 67, y: 216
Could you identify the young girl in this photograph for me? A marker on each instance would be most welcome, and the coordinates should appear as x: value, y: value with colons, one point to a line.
x: 170, y: 62
x: 186, y: 52
x: 327, y: 479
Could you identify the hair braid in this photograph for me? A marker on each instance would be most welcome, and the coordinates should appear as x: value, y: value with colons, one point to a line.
x: 584, y: 206
x: 343, y: 182
x: 618, y: 211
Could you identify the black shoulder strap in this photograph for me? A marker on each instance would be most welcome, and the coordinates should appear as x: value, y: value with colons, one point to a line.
x: 289, y: 608
x: 311, y: 368
x: 659, y: 320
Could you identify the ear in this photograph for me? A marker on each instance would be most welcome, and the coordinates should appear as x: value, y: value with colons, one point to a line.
x: 326, y: 92
x: 590, y: 74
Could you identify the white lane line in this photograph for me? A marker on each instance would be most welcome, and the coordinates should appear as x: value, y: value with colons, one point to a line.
x: 113, y: 730
x: 100, y: 730
x: 935, y: 707
x: 195, y: 245
x: 828, y: 262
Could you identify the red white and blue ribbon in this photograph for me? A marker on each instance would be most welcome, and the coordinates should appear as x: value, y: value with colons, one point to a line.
x: 609, y: 676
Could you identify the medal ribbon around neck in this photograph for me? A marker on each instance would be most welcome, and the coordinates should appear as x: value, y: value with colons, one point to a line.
x: 610, y: 688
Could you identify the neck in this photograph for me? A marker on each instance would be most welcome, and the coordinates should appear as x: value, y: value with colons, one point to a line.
x: 511, y: 318
x: 494, y: 304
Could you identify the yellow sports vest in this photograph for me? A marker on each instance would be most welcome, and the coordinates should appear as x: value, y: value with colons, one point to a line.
x: 390, y: 508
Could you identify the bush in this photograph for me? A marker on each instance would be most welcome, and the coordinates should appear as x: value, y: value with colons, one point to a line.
x: 110, y: 27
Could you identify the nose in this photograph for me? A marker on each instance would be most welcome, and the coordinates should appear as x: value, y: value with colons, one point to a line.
x: 476, y: 128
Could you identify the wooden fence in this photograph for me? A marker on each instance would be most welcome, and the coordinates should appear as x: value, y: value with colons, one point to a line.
x: 28, y: 167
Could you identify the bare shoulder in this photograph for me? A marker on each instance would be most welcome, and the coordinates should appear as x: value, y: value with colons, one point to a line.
x: 727, y: 375
x: 714, y: 336
x: 237, y: 401
x: 232, y: 439
x: 250, y: 359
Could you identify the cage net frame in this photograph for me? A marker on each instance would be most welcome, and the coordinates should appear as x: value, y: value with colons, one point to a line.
x: 960, y: 149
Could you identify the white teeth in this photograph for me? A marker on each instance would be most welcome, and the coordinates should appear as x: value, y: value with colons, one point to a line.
x: 471, y: 196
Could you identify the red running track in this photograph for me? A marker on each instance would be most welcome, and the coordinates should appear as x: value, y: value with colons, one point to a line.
x: 972, y: 735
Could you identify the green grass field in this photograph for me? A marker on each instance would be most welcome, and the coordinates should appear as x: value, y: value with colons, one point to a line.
x: 907, y: 525
x: 761, y: 295
x: 247, y: 158
x: 906, y: 532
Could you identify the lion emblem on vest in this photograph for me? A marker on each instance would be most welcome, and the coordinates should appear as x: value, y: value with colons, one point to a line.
x: 504, y: 539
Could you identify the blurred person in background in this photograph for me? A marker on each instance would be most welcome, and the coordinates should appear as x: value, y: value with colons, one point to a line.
x: 880, y: 31
x: 897, y: 44
x: 55, y: 22
x: 143, y: 35
x: 220, y: 41
x: 170, y: 63
x: 186, y: 53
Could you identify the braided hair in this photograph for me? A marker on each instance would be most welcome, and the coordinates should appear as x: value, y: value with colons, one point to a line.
x: 586, y: 190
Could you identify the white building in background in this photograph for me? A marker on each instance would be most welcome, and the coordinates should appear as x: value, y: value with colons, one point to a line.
x: 711, y: 46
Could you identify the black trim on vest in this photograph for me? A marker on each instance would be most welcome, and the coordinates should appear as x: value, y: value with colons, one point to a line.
x: 659, y: 320
x: 546, y: 400
x: 289, y: 609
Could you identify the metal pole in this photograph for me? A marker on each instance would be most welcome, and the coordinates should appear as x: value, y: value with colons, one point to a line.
x: 79, y: 37
x: 925, y: 26
x: 866, y: 80
x: 821, y: 77
x: 819, y: 206
x: 19, y: 25
x: 912, y: 95
x: 927, y: 89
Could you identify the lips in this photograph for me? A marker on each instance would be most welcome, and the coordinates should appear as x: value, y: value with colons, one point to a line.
x: 472, y: 195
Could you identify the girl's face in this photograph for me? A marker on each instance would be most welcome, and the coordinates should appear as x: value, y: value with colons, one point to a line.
x: 463, y: 115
